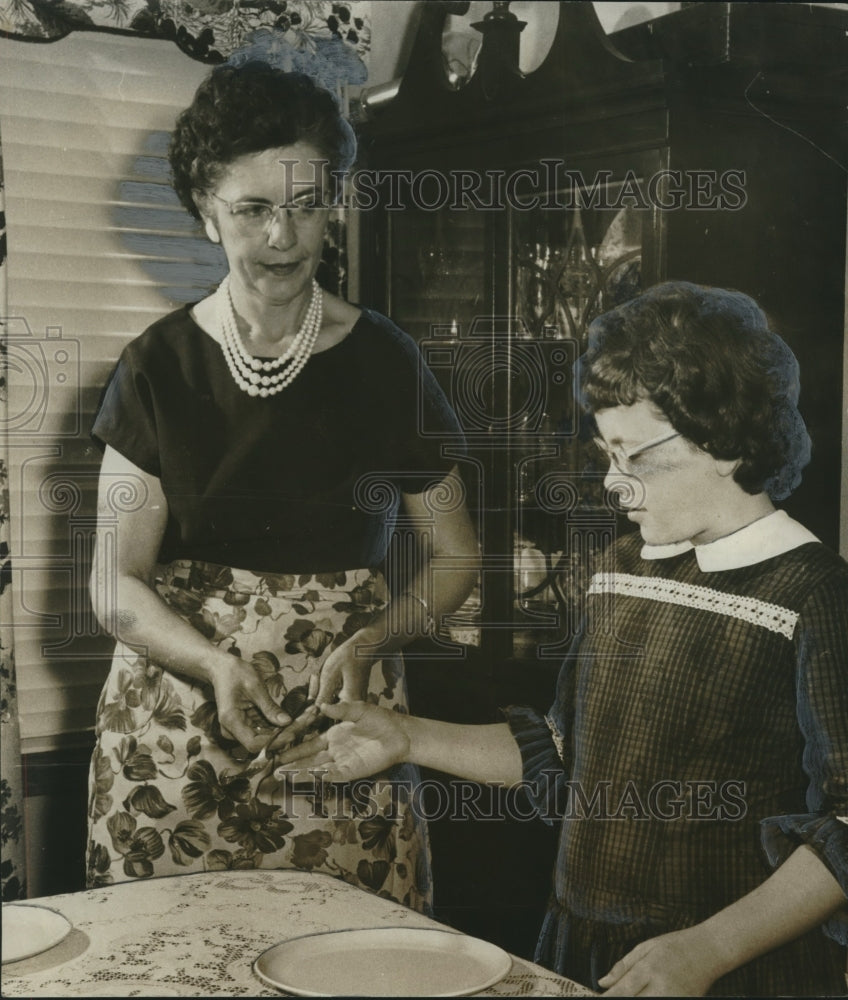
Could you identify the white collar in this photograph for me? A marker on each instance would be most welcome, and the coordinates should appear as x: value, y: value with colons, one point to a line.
x: 769, y: 536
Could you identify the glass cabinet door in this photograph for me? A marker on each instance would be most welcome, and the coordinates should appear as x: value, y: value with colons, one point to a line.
x: 437, y: 291
x: 437, y: 267
x: 499, y: 303
x: 579, y: 253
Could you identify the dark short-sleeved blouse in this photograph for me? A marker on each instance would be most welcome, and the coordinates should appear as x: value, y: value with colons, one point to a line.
x: 304, y: 481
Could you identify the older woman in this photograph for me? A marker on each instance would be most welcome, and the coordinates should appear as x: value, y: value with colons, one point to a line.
x: 698, y: 738
x: 258, y: 429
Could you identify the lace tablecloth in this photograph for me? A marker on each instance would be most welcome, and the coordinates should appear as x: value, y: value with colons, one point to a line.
x: 198, y: 935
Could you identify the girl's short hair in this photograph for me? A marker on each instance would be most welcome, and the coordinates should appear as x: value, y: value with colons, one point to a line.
x: 247, y: 109
x: 708, y: 360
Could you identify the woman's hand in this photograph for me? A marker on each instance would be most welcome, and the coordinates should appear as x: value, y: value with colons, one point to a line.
x: 682, y: 963
x: 122, y: 578
x: 244, y: 704
x: 344, y: 674
x: 366, y: 740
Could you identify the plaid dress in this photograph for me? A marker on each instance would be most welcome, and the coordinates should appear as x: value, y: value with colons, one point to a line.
x: 699, y: 734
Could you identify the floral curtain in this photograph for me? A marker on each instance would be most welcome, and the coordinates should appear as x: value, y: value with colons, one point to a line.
x: 330, y: 41
x: 12, y: 860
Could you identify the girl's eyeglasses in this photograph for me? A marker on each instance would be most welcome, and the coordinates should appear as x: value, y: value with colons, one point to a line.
x: 622, y: 458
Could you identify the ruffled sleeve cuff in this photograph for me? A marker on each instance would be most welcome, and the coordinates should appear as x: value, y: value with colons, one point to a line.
x: 542, y: 754
x: 827, y: 835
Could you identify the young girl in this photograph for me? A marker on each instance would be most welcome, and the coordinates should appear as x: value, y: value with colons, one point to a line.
x: 698, y: 739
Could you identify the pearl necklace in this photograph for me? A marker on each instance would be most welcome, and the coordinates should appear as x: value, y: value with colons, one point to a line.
x: 249, y: 373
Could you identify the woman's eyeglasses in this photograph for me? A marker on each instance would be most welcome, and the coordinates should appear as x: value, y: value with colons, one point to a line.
x: 251, y: 217
x: 624, y: 458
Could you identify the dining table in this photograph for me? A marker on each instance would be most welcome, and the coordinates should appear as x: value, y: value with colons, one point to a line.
x: 198, y: 935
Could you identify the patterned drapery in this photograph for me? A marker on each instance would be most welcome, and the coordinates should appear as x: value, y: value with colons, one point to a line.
x: 12, y: 860
x: 330, y: 41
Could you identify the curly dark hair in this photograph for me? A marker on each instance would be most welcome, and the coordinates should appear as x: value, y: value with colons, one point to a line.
x: 247, y: 109
x: 708, y: 360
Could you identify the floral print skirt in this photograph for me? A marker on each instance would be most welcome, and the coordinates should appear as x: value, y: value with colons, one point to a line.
x: 168, y: 795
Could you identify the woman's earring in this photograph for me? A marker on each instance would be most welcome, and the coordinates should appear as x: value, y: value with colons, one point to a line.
x: 212, y: 230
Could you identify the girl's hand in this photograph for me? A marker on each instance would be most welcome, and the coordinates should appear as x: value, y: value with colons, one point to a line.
x: 682, y: 963
x: 343, y: 675
x: 241, y: 696
x: 366, y: 740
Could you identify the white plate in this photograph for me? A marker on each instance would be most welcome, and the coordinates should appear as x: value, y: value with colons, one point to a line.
x: 29, y: 929
x: 383, y: 962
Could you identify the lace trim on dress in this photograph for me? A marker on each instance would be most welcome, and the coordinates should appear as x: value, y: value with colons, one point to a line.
x: 749, y: 609
x: 557, y: 737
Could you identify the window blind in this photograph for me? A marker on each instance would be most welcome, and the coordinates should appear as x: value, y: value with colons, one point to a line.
x: 99, y: 247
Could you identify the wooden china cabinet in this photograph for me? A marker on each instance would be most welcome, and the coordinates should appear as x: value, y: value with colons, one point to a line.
x: 509, y: 209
